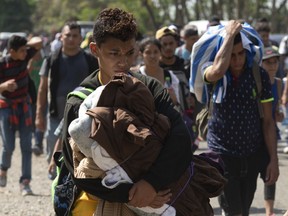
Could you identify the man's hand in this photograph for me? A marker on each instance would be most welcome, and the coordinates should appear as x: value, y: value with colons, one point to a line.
x: 284, y: 98
x: 35, y: 42
x: 233, y: 27
x: 272, y: 172
x: 141, y: 194
x: 9, y: 85
x: 52, y: 167
x: 161, y: 198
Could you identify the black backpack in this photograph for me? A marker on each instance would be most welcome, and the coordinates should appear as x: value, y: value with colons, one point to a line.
x: 63, y: 189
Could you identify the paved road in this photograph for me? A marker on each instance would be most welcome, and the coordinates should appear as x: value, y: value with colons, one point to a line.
x: 281, y: 200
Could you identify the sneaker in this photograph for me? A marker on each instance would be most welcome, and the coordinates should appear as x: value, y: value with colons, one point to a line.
x: 25, y: 188
x: 3, y: 181
x: 37, y: 150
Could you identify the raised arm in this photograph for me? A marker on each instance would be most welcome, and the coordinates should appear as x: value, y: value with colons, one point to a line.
x: 35, y: 42
x: 223, y: 56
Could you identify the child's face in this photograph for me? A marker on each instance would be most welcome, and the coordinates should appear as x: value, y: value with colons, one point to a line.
x: 271, y: 65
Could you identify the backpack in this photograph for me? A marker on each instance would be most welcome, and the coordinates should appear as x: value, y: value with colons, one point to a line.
x: 204, y: 115
x: 63, y: 188
x: 185, y: 110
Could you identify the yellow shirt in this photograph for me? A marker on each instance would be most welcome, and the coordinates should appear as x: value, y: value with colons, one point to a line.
x: 84, y: 205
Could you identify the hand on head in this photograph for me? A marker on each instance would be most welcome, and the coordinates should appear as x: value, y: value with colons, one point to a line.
x: 233, y: 27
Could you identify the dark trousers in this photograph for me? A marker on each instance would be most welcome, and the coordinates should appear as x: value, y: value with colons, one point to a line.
x: 242, y: 174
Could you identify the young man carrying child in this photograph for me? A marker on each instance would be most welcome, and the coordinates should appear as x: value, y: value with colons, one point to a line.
x: 114, y: 45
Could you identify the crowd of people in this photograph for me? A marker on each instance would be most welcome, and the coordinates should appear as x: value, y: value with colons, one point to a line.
x: 242, y: 129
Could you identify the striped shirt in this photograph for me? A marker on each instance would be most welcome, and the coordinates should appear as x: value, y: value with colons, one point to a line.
x: 15, y: 69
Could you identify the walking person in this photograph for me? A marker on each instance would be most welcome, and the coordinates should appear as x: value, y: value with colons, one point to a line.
x: 283, y: 51
x: 15, y: 107
x: 60, y: 73
x: 270, y: 64
x: 150, y: 50
x: 235, y: 130
x: 34, y: 66
x: 169, y: 40
x: 114, y: 44
x: 189, y: 35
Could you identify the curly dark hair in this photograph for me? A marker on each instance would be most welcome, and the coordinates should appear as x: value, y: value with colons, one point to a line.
x: 114, y: 23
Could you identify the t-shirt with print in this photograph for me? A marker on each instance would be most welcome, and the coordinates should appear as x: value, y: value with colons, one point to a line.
x: 235, y: 125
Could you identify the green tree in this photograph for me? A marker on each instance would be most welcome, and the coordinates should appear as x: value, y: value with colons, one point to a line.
x: 15, y: 15
x: 49, y: 15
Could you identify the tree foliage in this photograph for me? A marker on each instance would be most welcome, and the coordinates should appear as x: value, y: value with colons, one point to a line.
x: 15, y: 15
x: 49, y: 15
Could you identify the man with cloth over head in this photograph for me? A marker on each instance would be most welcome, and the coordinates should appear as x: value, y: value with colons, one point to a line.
x: 235, y: 130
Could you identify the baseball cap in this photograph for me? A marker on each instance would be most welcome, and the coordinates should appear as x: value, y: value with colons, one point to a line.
x: 165, y: 31
x: 269, y: 52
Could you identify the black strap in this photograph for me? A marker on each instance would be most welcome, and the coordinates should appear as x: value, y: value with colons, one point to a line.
x: 258, y: 80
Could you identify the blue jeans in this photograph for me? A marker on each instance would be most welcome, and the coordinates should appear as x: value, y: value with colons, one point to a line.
x: 8, y: 141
